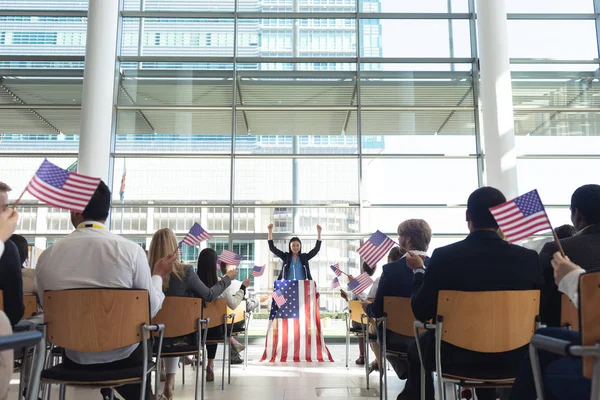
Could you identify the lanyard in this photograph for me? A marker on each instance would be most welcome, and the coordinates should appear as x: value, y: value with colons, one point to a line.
x: 92, y: 225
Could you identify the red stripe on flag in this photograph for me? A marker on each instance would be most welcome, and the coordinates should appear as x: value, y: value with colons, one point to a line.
x: 296, y: 339
x: 52, y: 192
x: 275, y: 340
x: 308, y: 322
x: 284, y: 341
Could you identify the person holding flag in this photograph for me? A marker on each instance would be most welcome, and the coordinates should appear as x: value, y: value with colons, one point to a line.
x: 295, y: 263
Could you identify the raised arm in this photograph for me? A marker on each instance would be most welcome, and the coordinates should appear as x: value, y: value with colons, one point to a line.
x: 272, y: 247
x: 317, y: 247
x: 209, y: 294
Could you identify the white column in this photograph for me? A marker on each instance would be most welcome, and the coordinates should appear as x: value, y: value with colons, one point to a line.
x: 496, y: 97
x: 98, y: 88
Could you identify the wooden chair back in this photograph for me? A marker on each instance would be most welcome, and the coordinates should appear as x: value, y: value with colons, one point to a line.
x: 215, y: 310
x: 1, y: 300
x: 569, y: 315
x: 179, y: 315
x: 356, y: 311
x: 93, y: 320
x: 400, y: 317
x: 239, y: 311
x: 488, y: 322
x: 30, y: 302
x: 589, y: 313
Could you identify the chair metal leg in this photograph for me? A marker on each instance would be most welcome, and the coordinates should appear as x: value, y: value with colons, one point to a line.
x: 62, y: 392
x: 382, y: 359
x: 197, y: 372
x: 203, y: 367
x: 183, y: 370
x: 537, y: 372
x: 229, y: 362
x: 347, y: 342
x: 595, y: 390
x: 223, y: 367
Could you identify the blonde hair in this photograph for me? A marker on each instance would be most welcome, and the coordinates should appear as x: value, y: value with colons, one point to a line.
x: 163, y: 244
x: 418, y: 231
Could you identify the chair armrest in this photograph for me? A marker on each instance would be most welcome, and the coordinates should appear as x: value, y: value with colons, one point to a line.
x: 424, y: 325
x: 154, y: 327
x: 21, y: 339
x: 552, y: 345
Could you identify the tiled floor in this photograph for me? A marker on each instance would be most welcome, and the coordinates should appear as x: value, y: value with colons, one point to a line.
x: 287, y: 381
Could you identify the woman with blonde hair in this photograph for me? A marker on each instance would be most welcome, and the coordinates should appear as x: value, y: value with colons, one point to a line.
x: 182, y: 282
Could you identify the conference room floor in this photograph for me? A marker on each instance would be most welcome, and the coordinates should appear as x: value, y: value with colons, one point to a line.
x: 281, y: 381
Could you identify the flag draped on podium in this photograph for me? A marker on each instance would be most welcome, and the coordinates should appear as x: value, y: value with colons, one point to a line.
x: 294, y: 332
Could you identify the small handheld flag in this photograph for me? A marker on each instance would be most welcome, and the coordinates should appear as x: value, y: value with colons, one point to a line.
x: 60, y: 188
x: 360, y: 283
x: 334, y: 283
x: 336, y: 269
x: 229, y: 257
x: 258, y: 270
x: 123, y: 178
x: 376, y: 247
x: 196, y: 235
x: 278, y: 298
x: 521, y: 217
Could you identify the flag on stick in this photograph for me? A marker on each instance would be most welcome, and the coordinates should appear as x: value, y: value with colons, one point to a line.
x: 334, y: 283
x: 61, y: 188
x: 123, y: 178
x: 258, y: 270
x: 521, y: 217
x: 360, y: 283
x: 230, y: 258
x: 336, y: 269
x: 196, y: 235
x: 376, y: 247
x: 278, y: 298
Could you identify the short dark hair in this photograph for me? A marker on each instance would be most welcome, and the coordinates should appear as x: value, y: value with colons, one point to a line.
x: 565, y: 231
x: 99, y: 205
x: 479, y: 204
x: 22, y: 246
x: 587, y: 200
x: 370, y: 271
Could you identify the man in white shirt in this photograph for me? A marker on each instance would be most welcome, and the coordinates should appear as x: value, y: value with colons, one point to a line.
x: 93, y: 257
x: 562, y: 376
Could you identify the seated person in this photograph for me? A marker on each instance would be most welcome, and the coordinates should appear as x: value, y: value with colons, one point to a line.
x: 583, y: 248
x: 356, y: 325
x: 11, y: 281
x: 562, y: 376
x: 6, y: 358
x: 29, y: 281
x: 182, y: 282
x: 481, y: 262
x: 93, y: 257
x: 414, y: 235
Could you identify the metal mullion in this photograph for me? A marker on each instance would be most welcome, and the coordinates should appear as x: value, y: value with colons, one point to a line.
x: 52, y: 58
x: 597, y: 22
x: 123, y: 154
x: 413, y: 16
x: 476, y: 95
x: 555, y: 109
x: 233, y: 125
x: 40, y: 106
x: 179, y: 14
x: 359, y: 117
x: 276, y: 60
x: 552, y: 61
x: 551, y: 16
x: 43, y: 13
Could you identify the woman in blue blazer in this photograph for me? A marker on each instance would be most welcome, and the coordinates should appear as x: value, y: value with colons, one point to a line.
x: 295, y: 263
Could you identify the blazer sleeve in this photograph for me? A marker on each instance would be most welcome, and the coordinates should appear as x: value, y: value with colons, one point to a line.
x: 425, y: 290
x: 276, y: 251
x: 202, y: 291
x: 375, y: 309
x: 550, y: 296
x: 10, y: 275
x: 233, y: 299
x: 314, y: 251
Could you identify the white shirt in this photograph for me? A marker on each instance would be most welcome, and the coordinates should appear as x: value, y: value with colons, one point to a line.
x: 417, y: 253
x: 373, y: 290
x: 569, y: 285
x: 95, y: 258
x: 1, y: 248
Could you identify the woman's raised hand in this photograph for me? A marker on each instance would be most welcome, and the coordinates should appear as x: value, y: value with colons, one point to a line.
x: 270, y: 227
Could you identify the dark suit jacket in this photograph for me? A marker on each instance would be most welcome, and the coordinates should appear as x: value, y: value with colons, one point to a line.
x: 584, y: 250
x: 11, y: 283
x: 287, y: 258
x: 482, y: 262
x: 396, y: 280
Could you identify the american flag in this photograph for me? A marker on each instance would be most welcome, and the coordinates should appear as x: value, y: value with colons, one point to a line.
x: 376, y: 247
x: 63, y: 189
x: 521, y: 217
x: 230, y: 258
x: 334, y: 283
x: 336, y: 269
x: 196, y: 235
x: 258, y: 270
x: 294, y: 332
x: 278, y: 298
x: 360, y: 283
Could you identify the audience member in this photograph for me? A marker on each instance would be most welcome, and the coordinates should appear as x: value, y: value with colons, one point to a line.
x: 565, y: 231
x: 29, y: 282
x: 357, y: 325
x: 583, y: 248
x: 6, y: 358
x: 8, y: 224
x: 93, y: 257
x: 562, y: 376
x: 414, y: 235
x: 181, y: 282
x: 481, y: 262
x: 207, y: 272
x: 11, y: 281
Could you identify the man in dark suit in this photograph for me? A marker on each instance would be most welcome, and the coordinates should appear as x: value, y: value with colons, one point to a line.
x: 481, y: 262
x: 583, y: 248
x: 414, y: 235
x: 11, y: 280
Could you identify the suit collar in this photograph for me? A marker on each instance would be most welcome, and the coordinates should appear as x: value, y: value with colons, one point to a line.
x: 486, y: 235
x: 589, y: 230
